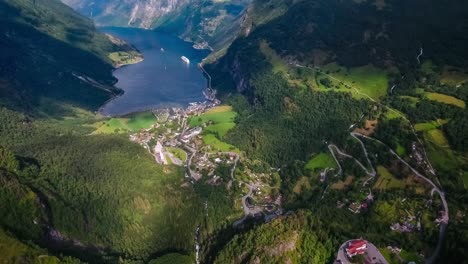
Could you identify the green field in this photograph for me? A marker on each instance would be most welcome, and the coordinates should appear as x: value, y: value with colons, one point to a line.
x: 369, y: 80
x: 218, y: 145
x: 221, y: 129
x: 386, y: 180
x: 439, y: 151
x: 217, y: 115
x: 446, y: 99
x: 437, y: 137
x: 321, y: 161
x: 426, y: 126
x: 125, y: 58
x: 179, y: 153
x: 222, y: 120
x: 130, y: 123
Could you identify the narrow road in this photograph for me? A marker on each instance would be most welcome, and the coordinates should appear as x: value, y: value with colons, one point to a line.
x: 383, y: 105
x: 208, y: 76
x: 370, y: 172
x: 252, y: 186
x: 445, y: 216
x: 373, y: 255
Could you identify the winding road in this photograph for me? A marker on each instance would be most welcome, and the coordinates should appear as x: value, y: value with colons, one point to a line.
x: 333, y: 148
x: 373, y: 255
x: 445, y: 216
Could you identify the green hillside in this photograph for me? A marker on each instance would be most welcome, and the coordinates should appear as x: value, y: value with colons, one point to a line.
x: 49, y: 51
x: 322, y: 69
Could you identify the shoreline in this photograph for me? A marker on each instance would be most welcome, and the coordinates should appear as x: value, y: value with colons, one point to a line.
x: 114, y: 96
x: 121, y: 65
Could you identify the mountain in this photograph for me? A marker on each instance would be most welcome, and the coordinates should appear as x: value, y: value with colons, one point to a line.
x: 136, y: 13
x: 384, y: 34
x: 342, y: 120
x: 66, y: 191
x: 50, y: 51
x: 319, y: 70
x: 207, y: 23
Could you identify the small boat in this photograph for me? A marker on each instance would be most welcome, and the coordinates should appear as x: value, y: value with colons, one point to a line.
x: 162, y: 49
x: 185, y: 59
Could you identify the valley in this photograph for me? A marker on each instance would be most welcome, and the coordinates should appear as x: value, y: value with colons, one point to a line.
x: 306, y: 132
x: 162, y: 79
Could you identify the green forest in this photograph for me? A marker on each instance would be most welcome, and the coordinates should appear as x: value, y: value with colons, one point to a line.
x: 298, y: 79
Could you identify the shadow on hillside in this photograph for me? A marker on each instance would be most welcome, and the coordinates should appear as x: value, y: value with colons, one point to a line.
x: 35, y: 65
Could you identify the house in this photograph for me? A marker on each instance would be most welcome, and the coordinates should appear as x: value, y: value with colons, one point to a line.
x: 190, y: 134
x: 159, y: 154
x: 356, y: 247
x: 355, y: 208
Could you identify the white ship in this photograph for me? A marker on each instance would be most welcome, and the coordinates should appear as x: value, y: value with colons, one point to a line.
x: 185, y: 59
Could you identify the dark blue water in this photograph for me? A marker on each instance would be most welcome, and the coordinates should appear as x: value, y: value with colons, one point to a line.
x: 162, y: 79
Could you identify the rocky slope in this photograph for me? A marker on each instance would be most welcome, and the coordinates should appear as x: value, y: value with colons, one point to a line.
x: 207, y: 23
x: 135, y: 13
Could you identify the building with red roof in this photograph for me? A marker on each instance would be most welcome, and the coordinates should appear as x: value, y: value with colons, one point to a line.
x: 356, y: 247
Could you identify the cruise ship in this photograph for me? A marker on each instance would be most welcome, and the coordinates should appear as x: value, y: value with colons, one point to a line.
x: 185, y: 59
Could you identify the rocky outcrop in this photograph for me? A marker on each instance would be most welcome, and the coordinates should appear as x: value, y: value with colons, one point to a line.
x: 134, y: 13
x: 210, y: 24
x: 240, y: 78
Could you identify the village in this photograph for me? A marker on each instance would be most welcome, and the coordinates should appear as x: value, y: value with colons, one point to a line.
x: 171, y: 140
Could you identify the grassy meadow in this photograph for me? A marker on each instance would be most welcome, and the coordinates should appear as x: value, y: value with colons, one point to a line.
x: 217, y: 115
x: 446, y: 99
x: 321, y: 161
x: 122, y: 58
x: 131, y: 123
x: 368, y: 79
x: 220, y: 120
x: 386, y: 180
x: 178, y: 153
x: 218, y: 145
x: 439, y: 151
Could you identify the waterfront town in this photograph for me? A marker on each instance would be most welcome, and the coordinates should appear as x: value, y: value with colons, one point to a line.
x: 172, y: 140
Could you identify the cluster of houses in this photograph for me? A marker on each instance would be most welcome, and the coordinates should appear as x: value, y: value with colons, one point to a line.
x: 419, y: 158
x: 189, y: 134
x: 408, y: 224
x: 358, y: 207
x: 172, y: 132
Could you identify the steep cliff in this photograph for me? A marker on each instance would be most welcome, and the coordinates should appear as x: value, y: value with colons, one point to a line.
x: 210, y: 24
x: 135, y: 13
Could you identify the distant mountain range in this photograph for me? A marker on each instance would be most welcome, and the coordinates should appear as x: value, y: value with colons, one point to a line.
x: 207, y: 23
